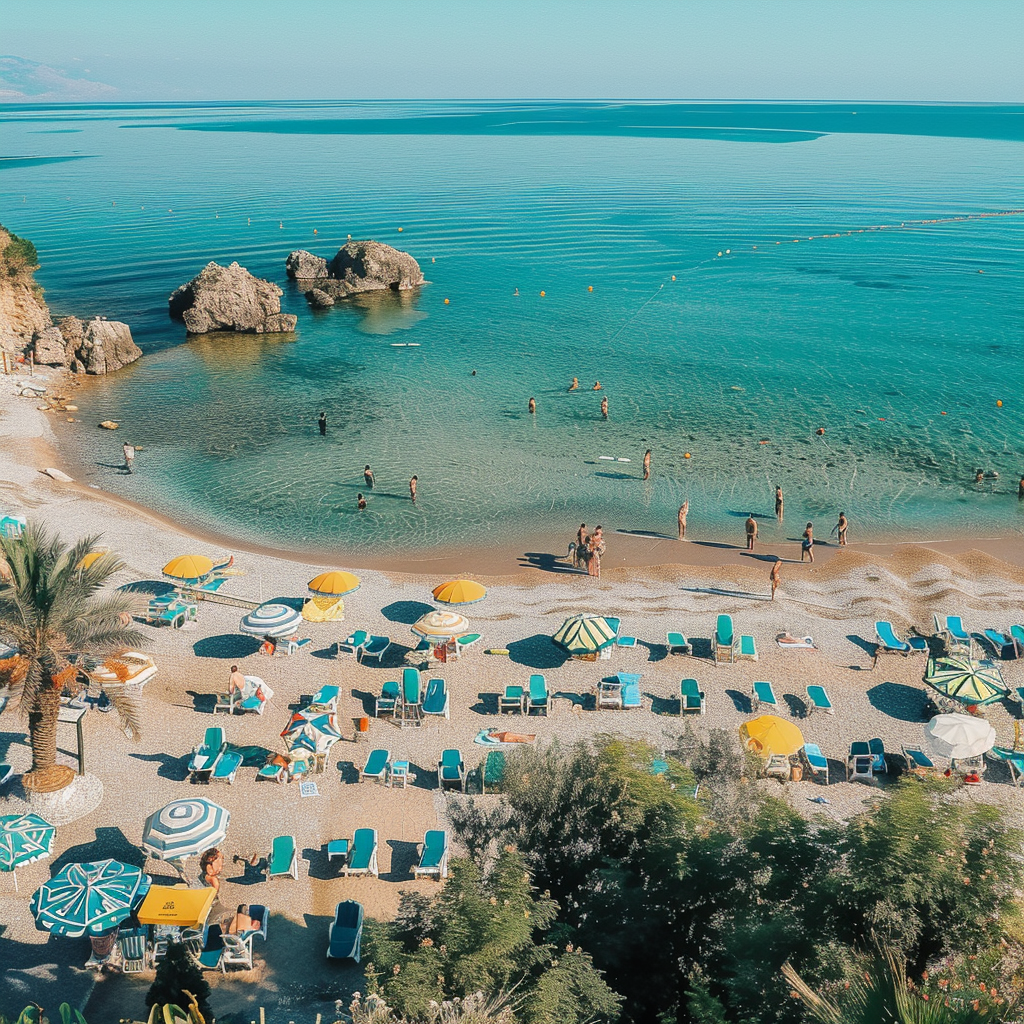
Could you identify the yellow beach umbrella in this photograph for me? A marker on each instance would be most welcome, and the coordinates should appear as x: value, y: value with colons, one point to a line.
x: 92, y: 558
x: 459, y: 592
x: 769, y: 735
x: 188, y: 568
x: 186, y: 908
x: 334, y: 583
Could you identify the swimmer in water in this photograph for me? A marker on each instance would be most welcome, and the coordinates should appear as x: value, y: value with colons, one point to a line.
x: 575, y: 384
x: 413, y: 483
x: 604, y: 408
x: 684, y: 510
x: 532, y: 406
x: 647, y: 464
x: 979, y: 477
x: 516, y: 292
x: 840, y: 529
x: 597, y: 386
x: 368, y: 476
x: 778, y: 503
x: 360, y: 502
x: 751, y: 528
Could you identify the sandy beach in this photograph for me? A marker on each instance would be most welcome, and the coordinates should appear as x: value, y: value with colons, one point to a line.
x: 652, y: 583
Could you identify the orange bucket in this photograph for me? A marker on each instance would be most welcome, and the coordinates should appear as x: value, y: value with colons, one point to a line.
x: 363, y: 724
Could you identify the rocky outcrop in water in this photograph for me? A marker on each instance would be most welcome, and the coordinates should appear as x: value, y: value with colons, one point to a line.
x: 357, y: 267
x: 319, y: 299
x: 229, y: 299
x: 26, y: 327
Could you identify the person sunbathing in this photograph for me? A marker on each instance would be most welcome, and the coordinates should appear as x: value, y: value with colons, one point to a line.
x: 241, y: 922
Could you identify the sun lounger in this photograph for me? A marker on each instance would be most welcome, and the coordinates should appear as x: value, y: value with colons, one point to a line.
x: 631, y: 697
x: 890, y: 641
x: 206, y: 755
x: 678, y: 644
x: 816, y: 761
x: 762, y: 693
x: 492, y: 772
x: 466, y: 641
x: 175, y: 614
x: 410, y: 708
x: 227, y: 702
x: 237, y: 952
x: 283, y: 859
x: 209, y: 956
x: 817, y: 700
x: 352, y: 645
x: 1017, y: 636
x: 511, y: 700
x: 625, y: 641
x: 436, y: 700
x: 860, y: 764
x: 1013, y: 759
x: 877, y: 750
x: 325, y: 699
x: 375, y: 648
x: 918, y: 762
x: 6, y: 773
x: 777, y: 766
x: 434, y: 856
x: 260, y: 917
x: 609, y: 694
x: 254, y: 697
x: 953, y: 632
x: 537, y: 699
x: 132, y: 944
x: 362, y: 857
x: 747, y: 649
x: 297, y: 769
x: 691, y: 697
x: 388, y: 699
x: 292, y: 646
x: 226, y: 766
x: 376, y: 766
x: 345, y: 935
x: 275, y: 769
x: 724, y: 640
x: 451, y: 771
x: 1003, y: 645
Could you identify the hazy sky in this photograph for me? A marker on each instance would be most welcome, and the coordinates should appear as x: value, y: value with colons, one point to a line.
x: 956, y: 50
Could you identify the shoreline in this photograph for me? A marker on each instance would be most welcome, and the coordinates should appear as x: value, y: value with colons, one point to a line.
x: 540, y: 558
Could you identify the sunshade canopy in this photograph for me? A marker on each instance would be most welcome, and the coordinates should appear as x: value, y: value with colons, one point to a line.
x: 963, y: 679
x: 24, y: 838
x: 310, y: 730
x: 959, y: 736
x: 459, y: 592
x: 271, y: 620
x: 438, y: 627
x: 189, y: 568
x: 165, y: 904
x: 184, y: 828
x: 769, y: 734
x: 585, y: 634
x: 89, y: 560
x: 335, y: 583
x: 88, y: 899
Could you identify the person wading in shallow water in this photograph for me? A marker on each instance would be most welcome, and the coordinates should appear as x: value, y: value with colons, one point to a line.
x: 413, y: 483
x: 807, y: 544
x: 647, y: 464
x: 778, y: 503
x: 751, y: 527
x: 684, y: 510
x: 323, y: 424
x: 360, y: 502
x: 368, y: 476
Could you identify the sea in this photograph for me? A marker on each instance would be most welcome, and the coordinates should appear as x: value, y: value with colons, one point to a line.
x: 827, y: 297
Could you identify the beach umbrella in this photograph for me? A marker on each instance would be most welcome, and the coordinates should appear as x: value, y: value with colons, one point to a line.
x: 188, y: 568
x: 770, y: 734
x: 92, y: 558
x: 959, y: 736
x: 185, y: 908
x: 271, y: 620
x: 459, y: 592
x: 310, y: 730
x: 963, y: 679
x: 335, y: 583
x: 440, y: 627
x: 24, y: 839
x: 88, y: 899
x: 184, y: 828
x: 585, y: 634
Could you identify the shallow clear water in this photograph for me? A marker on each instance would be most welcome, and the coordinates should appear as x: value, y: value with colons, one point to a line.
x: 871, y: 335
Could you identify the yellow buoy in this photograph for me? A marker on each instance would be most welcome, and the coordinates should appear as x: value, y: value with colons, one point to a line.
x: 399, y: 229
x: 999, y: 403
x: 314, y: 231
x: 590, y: 287
x: 542, y: 294
x: 687, y: 456
x: 446, y: 302
x: 673, y: 277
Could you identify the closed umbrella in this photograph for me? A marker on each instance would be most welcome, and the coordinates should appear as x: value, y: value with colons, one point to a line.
x: 959, y: 736
x: 189, y: 568
x: 88, y: 899
x: 24, y: 839
x: 963, y: 679
x: 335, y: 583
x: 459, y: 592
x: 310, y: 730
x: 184, y: 908
x: 585, y: 634
x: 769, y: 734
x: 274, y: 620
x: 440, y: 627
x: 184, y: 828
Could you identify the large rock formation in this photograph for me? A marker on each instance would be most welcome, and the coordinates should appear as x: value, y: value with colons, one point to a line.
x: 357, y: 267
x: 229, y: 299
x: 26, y: 326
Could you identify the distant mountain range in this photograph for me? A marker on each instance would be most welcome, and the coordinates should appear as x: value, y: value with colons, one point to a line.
x: 28, y: 81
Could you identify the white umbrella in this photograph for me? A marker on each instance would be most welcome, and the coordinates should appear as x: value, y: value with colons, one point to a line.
x: 271, y: 620
x: 184, y: 828
x: 438, y: 627
x: 959, y: 736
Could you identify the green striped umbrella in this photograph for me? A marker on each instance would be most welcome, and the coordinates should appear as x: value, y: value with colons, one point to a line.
x: 310, y: 730
x: 24, y: 839
x: 585, y: 634
x: 961, y: 678
x: 88, y: 899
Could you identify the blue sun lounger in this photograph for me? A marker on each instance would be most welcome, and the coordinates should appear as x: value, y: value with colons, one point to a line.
x: 451, y: 771
x: 537, y: 699
x: 388, y: 699
x: 889, y: 640
x: 816, y: 760
x: 724, y: 640
x: 376, y: 766
x: 375, y: 648
x: 226, y: 766
x: 817, y: 700
x: 205, y: 756
x: 631, y: 699
x: 434, y: 856
x: 362, y: 856
x: 1003, y: 645
x: 345, y: 935
x: 691, y: 697
x: 283, y: 859
x: 436, y: 700
x: 953, y: 632
x: 678, y: 644
x: 762, y: 693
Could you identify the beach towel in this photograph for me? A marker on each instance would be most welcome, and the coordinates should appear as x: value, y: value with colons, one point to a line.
x: 494, y: 738
x: 784, y: 640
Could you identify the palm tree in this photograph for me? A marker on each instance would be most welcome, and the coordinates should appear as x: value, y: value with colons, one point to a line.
x: 52, y: 611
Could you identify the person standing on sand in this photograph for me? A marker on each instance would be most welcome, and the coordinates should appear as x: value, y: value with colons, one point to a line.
x: 840, y: 529
x: 751, y: 528
x: 323, y: 424
x: 647, y: 464
x: 360, y: 503
x: 236, y: 681
x: 413, y: 483
x: 581, y: 536
x: 778, y: 502
x: 684, y: 510
x: 807, y: 544
x: 368, y: 476
x: 604, y: 407
x: 532, y: 406
x: 594, y: 547
x: 775, y: 577
x: 129, y: 457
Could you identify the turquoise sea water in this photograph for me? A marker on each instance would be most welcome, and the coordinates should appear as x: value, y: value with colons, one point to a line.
x: 798, y: 302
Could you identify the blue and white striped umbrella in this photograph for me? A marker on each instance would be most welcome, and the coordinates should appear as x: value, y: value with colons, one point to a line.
x: 88, y: 899
x: 314, y: 731
x: 24, y: 839
x: 184, y: 828
x: 271, y: 620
